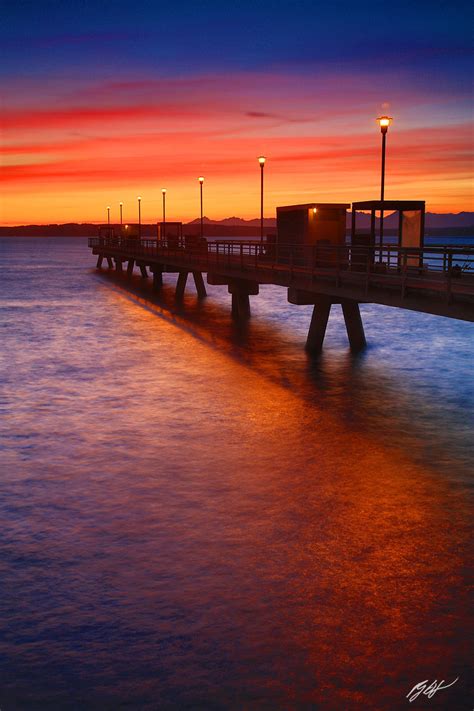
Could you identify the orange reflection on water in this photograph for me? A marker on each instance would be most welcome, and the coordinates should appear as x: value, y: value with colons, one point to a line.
x: 304, y: 546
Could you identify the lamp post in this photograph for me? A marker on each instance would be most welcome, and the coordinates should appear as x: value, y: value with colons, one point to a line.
x: 261, y: 160
x: 121, y: 208
x: 384, y: 123
x: 163, y: 192
x: 201, y: 180
x: 108, y: 216
x: 139, y: 217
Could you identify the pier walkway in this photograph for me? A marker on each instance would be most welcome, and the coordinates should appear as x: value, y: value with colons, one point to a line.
x: 435, y: 280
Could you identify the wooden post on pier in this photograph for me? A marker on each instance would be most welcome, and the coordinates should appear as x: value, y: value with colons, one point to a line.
x: 100, y: 259
x: 110, y: 263
x: 131, y: 264
x: 118, y: 264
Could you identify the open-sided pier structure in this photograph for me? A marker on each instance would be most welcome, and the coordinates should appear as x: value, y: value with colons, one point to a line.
x: 319, y: 271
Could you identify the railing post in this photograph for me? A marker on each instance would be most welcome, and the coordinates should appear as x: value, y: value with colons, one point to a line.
x: 404, y: 273
x: 367, y: 279
x: 449, y: 277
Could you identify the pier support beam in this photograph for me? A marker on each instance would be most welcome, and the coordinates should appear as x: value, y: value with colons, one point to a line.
x: 100, y: 259
x: 354, y: 325
x: 319, y: 322
x: 110, y: 263
x: 130, y: 265
x: 240, y: 290
x: 143, y: 270
x: 181, y: 285
x: 320, y: 317
x: 200, y: 286
x: 118, y: 264
x: 157, y: 279
x: 240, y: 306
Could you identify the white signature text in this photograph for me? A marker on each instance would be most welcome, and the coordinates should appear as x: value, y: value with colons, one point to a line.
x: 428, y: 690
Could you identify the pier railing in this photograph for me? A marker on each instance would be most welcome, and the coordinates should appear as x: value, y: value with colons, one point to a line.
x: 448, y: 260
x: 446, y: 271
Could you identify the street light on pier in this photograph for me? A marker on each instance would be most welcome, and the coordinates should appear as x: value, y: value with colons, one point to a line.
x: 139, y: 217
x: 163, y: 192
x: 261, y: 160
x: 384, y: 123
x: 201, y: 180
x: 121, y: 208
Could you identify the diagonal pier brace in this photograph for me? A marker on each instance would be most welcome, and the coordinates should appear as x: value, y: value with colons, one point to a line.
x: 200, y: 286
x: 319, y: 322
x: 354, y: 325
x: 181, y: 285
x: 157, y: 279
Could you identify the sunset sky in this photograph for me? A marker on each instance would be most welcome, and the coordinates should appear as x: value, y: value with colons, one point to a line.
x: 103, y: 102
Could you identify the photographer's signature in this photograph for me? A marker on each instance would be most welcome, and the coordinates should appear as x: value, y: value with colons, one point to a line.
x: 428, y: 690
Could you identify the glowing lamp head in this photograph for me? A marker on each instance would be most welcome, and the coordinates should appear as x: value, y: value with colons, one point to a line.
x: 315, y: 209
x: 138, y: 198
x: 108, y: 207
x: 163, y: 190
x: 384, y: 123
x: 262, y: 160
x: 121, y: 204
x: 201, y: 179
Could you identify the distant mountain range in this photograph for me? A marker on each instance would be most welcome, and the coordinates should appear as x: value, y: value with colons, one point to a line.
x: 461, y: 223
x: 432, y: 219
x: 236, y: 222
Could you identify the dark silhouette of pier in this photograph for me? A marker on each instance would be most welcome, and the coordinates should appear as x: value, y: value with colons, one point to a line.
x: 434, y: 280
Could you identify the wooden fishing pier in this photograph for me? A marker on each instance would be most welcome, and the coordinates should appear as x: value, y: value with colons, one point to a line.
x: 434, y: 280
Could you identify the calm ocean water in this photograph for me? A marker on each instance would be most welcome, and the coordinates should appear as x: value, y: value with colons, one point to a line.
x: 196, y: 515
